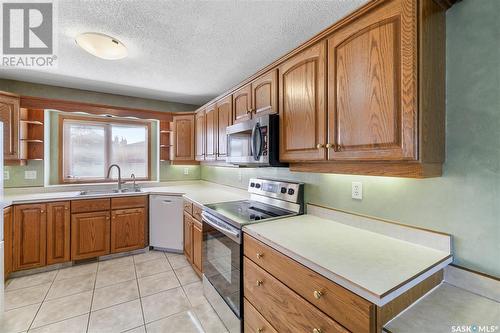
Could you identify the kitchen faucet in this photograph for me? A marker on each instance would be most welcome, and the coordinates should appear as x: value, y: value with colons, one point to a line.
x: 119, y: 175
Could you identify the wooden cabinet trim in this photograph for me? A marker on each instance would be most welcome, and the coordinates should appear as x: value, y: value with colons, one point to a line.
x: 129, y: 202
x: 90, y: 205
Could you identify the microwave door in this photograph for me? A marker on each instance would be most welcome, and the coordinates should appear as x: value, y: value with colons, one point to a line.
x: 257, y: 141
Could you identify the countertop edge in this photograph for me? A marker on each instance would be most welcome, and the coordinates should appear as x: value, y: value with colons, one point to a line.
x: 378, y: 300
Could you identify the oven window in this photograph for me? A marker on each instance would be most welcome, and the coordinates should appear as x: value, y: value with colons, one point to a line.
x: 221, y: 266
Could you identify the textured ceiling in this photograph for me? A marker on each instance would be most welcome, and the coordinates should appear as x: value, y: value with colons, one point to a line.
x: 183, y: 51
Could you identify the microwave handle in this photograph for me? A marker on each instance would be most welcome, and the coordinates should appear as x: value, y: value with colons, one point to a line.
x: 256, y: 142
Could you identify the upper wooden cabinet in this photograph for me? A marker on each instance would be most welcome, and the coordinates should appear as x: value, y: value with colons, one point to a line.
x: 224, y: 119
x: 257, y: 98
x: 303, y: 105
x: 211, y: 132
x: 200, y: 135
x: 265, y: 94
x: 372, y: 86
x: 9, y: 115
x: 242, y: 104
x: 183, y: 134
x: 58, y: 232
x: 30, y: 232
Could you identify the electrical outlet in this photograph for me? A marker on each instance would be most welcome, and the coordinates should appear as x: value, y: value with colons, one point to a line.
x: 357, y: 190
x: 30, y: 174
x: 186, y: 171
x: 6, y: 175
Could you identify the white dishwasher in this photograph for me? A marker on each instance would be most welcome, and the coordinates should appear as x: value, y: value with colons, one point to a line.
x: 166, y: 222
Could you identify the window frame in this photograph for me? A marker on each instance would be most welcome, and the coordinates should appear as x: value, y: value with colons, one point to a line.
x: 97, y: 119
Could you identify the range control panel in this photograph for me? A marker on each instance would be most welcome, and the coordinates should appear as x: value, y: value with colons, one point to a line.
x: 278, y: 189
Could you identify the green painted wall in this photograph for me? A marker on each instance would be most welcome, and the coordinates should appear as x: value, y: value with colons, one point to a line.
x: 176, y: 172
x: 16, y: 175
x: 465, y: 202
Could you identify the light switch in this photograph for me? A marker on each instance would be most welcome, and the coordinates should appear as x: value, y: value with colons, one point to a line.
x: 30, y: 174
x: 6, y: 175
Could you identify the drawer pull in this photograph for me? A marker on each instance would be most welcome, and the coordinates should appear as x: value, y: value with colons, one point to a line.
x: 259, y: 283
x: 317, y: 294
x: 317, y: 330
x: 260, y: 330
x: 260, y: 255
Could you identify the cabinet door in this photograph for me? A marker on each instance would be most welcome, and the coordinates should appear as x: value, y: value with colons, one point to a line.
x: 197, y: 243
x: 200, y: 135
x: 9, y: 115
x: 58, y: 232
x: 265, y: 94
x: 8, y: 236
x: 224, y: 114
x: 30, y: 228
x: 242, y: 104
x: 188, y: 237
x: 183, y: 145
x: 372, y: 86
x: 211, y: 132
x: 127, y: 229
x: 90, y: 235
x: 302, y: 102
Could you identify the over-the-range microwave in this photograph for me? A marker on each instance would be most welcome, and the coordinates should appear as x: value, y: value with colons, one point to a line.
x: 254, y: 142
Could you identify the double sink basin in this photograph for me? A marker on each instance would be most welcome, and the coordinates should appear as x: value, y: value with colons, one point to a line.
x: 109, y: 192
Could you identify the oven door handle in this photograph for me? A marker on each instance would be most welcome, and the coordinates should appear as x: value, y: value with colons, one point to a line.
x: 217, y: 224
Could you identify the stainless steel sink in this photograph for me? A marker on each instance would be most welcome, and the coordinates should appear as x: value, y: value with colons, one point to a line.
x: 109, y: 192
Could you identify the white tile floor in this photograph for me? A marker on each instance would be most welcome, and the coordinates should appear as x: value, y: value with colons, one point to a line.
x: 149, y: 292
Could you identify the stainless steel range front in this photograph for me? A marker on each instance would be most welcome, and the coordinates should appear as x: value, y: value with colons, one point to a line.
x: 222, y: 240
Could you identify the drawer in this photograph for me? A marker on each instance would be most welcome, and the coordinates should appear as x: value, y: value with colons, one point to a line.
x: 197, y: 212
x: 89, y: 205
x: 254, y: 322
x: 280, y: 306
x: 129, y: 202
x: 188, y: 207
x: 347, y: 308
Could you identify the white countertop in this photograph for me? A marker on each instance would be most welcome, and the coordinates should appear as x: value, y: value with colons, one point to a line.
x: 370, y: 264
x: 200, y: 192
x: 446, y: 307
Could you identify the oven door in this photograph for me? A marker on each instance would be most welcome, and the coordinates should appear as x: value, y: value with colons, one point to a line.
x: 222, y: 253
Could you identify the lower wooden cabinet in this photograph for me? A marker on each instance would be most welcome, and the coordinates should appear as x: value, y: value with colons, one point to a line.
x: 188, y: 237
x: 90, y: 234
x: 127, y: 229
x: 58, y: 232
x: 30, y: 232
x: 8, y: 237
x: 197, y: 241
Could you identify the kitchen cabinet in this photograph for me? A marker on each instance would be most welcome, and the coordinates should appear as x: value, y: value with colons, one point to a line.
x: 30, y: 232
x: 8, y: 240
x: 183, y: 134
x: 242, y: 104
x: 188, y: 237
x: 127, y: 229
x: 372, y: 86
x: 90, y: 234
x: 224, y: 119
x: 58, y: 232
x: 211, y: 132
x: 302, y: 98
x: 200, y: 135
x: 197, y: 245
x: 265, y: 94
x: 9, y: 115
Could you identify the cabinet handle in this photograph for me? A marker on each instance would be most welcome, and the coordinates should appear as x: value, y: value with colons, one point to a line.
x: 330, y: 145
x: 260, y: 255
x: 317, y: 330
x: 42, y: 211
x: 320, y: 145
x: 260, y: 330
x: 317, y: 294
x: 259, y: 283
x: 66, y: 208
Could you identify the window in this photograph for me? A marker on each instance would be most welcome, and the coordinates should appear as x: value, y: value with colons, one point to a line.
x: 90, y: 145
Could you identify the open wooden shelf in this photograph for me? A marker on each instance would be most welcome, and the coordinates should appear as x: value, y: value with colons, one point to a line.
x: 165, y: 142
x: 31, y: 134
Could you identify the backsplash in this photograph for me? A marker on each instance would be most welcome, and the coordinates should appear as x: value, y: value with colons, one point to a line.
x: 464, y: 201
x: 16, y: 174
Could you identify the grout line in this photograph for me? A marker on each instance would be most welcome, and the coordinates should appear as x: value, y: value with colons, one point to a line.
x: 43, y: 301
x: 139, y: 292
x: 92, y: 299
x: 56, y: 322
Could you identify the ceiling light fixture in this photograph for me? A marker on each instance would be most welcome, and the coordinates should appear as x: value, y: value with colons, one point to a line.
x: 101, y: 45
